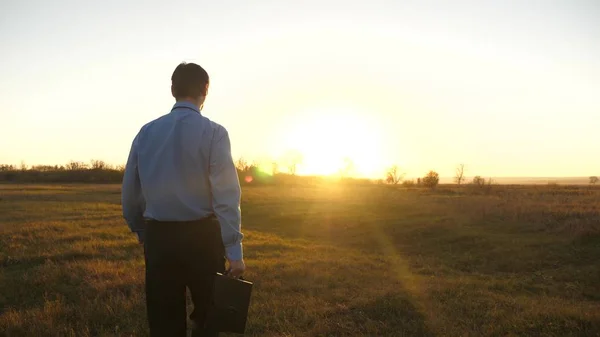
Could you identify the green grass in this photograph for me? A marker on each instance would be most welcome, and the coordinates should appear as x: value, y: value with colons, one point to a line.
x: 326, y: 261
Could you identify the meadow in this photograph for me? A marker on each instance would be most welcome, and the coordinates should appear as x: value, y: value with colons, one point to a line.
x: 326, y: 260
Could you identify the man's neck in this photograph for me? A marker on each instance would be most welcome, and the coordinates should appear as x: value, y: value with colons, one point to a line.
x: 188, y: 100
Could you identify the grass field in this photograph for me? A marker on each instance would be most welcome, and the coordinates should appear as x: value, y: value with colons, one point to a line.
x: 326, y: 261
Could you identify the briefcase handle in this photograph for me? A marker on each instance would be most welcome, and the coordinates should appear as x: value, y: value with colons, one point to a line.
x: 241, y: 277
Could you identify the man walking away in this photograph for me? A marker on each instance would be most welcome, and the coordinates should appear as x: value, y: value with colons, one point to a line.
x: 181, y: 196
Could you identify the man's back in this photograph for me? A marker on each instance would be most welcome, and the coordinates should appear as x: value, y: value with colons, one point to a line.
x: 180, y: 169
x: 173, y: 161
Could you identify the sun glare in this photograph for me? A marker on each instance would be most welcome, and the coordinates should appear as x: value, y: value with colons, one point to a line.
x: 336, y: 140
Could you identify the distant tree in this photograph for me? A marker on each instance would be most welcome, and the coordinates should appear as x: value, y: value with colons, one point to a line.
x: 98, y: 164
x: 242, y: 165
x: 292, y: 168
x: 478, y: 181
x: 460, y: 174
x: 274, y: 167
x: 23, y: 166
x: 393, y: 175
x: 419, y: 181
x: 431, y: 180
x: 593, y: 180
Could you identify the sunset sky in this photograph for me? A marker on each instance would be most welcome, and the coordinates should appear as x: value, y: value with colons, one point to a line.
x: 509, y: 88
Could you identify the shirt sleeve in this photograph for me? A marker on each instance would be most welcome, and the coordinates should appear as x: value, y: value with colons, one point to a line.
x: 132, y: 199
x: 226, y: 194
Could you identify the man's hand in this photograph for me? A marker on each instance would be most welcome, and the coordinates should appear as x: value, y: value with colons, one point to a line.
x: 236, y: 268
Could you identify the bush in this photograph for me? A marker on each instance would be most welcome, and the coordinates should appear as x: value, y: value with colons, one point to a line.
x: 478, y: 181
x: 431, y: 180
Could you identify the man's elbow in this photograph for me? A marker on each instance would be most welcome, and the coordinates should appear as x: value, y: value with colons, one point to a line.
x: 232, y: 213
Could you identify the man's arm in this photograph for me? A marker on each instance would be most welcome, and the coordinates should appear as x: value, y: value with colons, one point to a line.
x: 226, y: 194
x: 132, y: 199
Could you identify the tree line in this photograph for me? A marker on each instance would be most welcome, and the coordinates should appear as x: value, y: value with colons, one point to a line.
x: 98, y: 171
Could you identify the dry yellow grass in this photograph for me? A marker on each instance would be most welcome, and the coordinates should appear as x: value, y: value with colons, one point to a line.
x: 326, y: 261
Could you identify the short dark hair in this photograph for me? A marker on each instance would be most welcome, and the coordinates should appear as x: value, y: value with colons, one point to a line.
x: 189, y: 80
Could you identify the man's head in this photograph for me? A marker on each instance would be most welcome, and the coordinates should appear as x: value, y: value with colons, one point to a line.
x: 190, y: 83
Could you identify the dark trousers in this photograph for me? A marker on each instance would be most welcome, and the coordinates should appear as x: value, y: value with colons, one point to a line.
x: 180, y: 254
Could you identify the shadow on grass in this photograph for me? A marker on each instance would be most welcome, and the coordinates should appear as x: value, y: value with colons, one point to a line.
x: 391, y: 315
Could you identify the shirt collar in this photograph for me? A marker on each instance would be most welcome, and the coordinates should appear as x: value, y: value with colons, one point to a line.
x: 186, y: 105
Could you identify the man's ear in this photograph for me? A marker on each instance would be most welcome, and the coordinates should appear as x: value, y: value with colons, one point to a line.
x: 173, y: 91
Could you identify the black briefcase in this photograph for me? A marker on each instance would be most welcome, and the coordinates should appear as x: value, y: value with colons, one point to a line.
x: 231, y: 300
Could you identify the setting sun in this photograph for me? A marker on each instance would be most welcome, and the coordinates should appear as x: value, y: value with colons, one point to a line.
x: 332, y: 140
